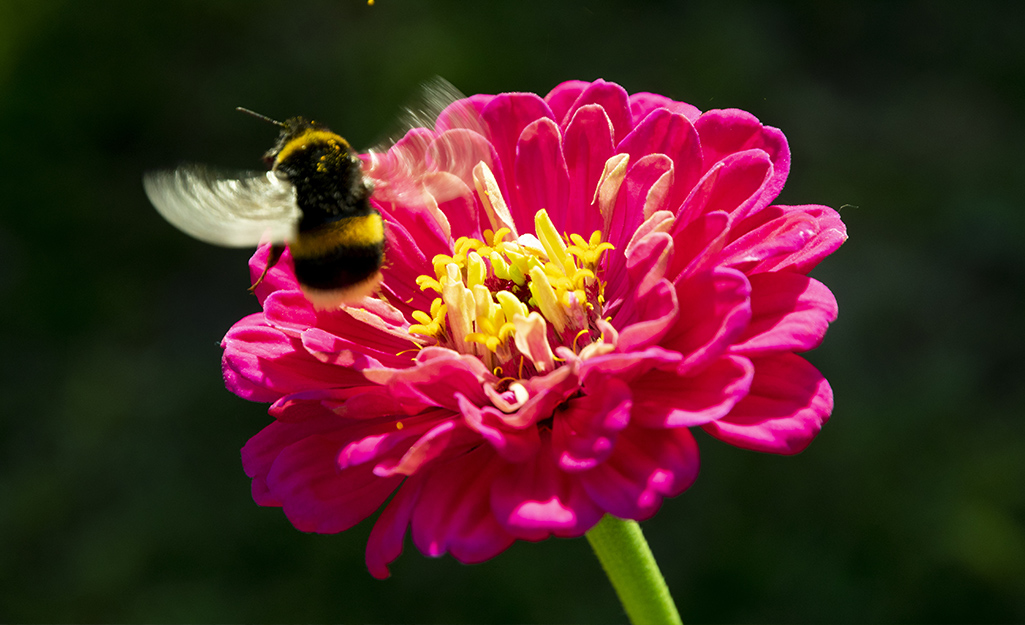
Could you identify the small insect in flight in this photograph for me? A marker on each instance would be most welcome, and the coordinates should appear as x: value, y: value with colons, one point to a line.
x: 315, y: 198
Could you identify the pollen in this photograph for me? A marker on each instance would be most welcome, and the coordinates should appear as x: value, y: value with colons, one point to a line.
x: 512, y: 301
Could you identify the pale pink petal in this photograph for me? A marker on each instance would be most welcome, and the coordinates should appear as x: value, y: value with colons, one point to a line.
x: 786, y: 407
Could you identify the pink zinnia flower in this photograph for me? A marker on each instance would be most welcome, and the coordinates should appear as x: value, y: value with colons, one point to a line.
x: 592, y: 273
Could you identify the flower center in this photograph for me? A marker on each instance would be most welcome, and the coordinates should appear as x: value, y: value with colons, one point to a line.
x: 512, y: 303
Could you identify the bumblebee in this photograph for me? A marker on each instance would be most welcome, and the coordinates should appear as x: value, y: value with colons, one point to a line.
x: 315, y: 198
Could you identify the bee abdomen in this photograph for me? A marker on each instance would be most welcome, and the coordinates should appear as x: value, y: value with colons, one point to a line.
x: 339, y: 254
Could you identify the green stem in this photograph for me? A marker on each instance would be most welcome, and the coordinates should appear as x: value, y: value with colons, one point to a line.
x: 627, y: 560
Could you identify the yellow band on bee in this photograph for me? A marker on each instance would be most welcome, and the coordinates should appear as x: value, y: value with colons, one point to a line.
x: 362, y: 231
x: 308, y: 137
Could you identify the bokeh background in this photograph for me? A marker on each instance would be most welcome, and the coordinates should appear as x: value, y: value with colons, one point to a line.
x: 122, y: 497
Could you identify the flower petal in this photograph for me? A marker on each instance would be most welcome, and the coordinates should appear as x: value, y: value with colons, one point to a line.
x: 727, y: 131
x: 714, y: 308
x: 664, y: 399
x: 534, y: 500
x: 587, y: 143
x: 505, y: 117
x: 612, y: 99
x: 789, y: 312
x: 646, y: 466
x: 584, y: 431
x: 672, y: 134
x: 315, y: 495
x: 786, y: 407
x: 643, y: 103
x: 542, y: 179
x: 453, y: 512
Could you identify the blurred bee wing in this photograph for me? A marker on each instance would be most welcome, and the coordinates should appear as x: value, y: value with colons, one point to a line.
x: 440, y: 132
x: 237, y: 210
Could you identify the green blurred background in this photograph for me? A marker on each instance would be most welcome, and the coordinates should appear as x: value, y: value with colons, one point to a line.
x: 122, y: 497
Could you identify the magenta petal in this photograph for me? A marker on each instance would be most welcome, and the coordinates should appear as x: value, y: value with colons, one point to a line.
x: 584, y: 433
x: 786, y: 407
x: 696, y: 246
x: 737, y: 186
x: 506, y: 116
x: 714, y: 310
x: 261, y: 450
x: 643, y: 103
x: 562, y: 97
x: 535, y: 500
x: 453, y: 513
x: 512, y: 444
x: 826, y: 234
x: 280, y: 277
x: 665, y: 399
x: 672, y: 134
x: 385, y: 543
x: 261, y: 363
x: 587, y: 144
x: 612, y: 99
x: 542, y: 179
x: 647, y: 466
x: 789, y: 312
x: 315, y: 495
x: 647, y: 318
x: 724, y: 132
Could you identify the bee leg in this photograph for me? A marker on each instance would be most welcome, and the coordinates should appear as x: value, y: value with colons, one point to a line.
x: 272, y: 259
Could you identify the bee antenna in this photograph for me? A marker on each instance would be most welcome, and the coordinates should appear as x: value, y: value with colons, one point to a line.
x: 259, y: 116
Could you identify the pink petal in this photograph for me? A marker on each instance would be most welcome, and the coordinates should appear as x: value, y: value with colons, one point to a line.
x: 826, y: 234
x: 281, y: 277
x: 646, y: 466
x: 261, y: 450
x: 714, y: 310
x: 542, y: 179
x: 643, y: 103
x: 789, y: 312
x: 612, y: 99
x: 584, y: 431
x: 736, y: 185
x: 643, y: 321
x: 453, y: 513
x: 506, y: 116
x: 511, y: 443
x: 664, y: 399
x: 587, y: 144
x: 672, y: 134
x: 315, y: 495
x: 697, y: 245
x: 435, y: 378
x: 562, y: 97
x: 728, y: 131
x: 786, y: 407
x: 261, y: 363
x: 534, y: 500
x: 385, y: 543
